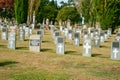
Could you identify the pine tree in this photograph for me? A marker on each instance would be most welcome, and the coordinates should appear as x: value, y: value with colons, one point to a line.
x: 21, y: 10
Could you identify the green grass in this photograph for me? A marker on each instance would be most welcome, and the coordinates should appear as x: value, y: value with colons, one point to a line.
x: 21, y: 64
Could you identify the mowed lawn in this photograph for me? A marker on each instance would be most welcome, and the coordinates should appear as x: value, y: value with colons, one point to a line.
x: 21, y: 64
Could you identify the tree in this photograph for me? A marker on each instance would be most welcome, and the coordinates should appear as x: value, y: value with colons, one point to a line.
x: 32, y: 9
x: 48, y: 9
x: 7, y: 8
x: 21, y: 10
x: 68, y: 13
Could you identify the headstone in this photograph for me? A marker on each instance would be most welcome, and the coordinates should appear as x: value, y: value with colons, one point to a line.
x: 57, y: 33
x: 70, y: 33
x: 40, y: 33
x: 4, y: 35
x: 102, y: 37
x: 12, y: 40
x: 87, y: 48
x: 92, y: 34
x: 115, y: 50
x: 30, y: 29
x: 34, y: 43
x: 60, y: 47
x: 21, y: 34
x: 65, y: 32
x: 27, y: 31
x: 85, y: 35
x: 106, y: 35
x: 76, y: 39
x: 97, y: 41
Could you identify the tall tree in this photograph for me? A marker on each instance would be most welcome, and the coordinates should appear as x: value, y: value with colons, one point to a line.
x: 32, y: 9
x: 21, y: 10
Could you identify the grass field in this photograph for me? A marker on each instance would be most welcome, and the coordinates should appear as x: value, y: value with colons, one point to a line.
x: 21, y: 64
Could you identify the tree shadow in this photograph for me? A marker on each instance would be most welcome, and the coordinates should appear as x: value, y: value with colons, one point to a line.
x: 44, y: 50
x: 7, y: 63
x: 26, y: 40
x: 71, y: 52
x: 94, y: 55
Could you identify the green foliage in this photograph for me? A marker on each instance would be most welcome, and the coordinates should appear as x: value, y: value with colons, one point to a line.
x: 68, y: 13
x: 21, y: 10
x: 106, y: 12
x: 47, y: 10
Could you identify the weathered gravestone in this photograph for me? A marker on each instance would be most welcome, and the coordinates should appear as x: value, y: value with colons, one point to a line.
x: 66, y: 31
x: 70, y: 34
x: 31, y: 29
x: 21, y: 34
x: 40, y: 33
x: 60, y: 47
x: 27, y: 31
x: 102, y: 37
x: 87, y: 48
x: 106, y: 35
x: 4, y: 35
x: 57, y: 33
x: 76, y: 39
x: 92, y: 34
x: 85, y: 35
x: 97, y: 41
x: 35, y: 43
x: 12, y: 40
x: 115, y: 50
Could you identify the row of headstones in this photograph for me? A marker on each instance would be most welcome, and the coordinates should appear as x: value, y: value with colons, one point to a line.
x: 87, y: 44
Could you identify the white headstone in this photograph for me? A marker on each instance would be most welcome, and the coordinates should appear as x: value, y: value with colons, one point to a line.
x: 35, y: 43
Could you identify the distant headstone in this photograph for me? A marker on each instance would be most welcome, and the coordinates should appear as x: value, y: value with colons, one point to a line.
x: 12, y: 41
x: 70, y: 34
x: 92, y: 34
x: 30, y: 29
x: 106, y: 35
x: 27, y: 31
x: 4, y: 35
x: 65, y: 32
x: 76, y: 39
x: 35, y: 43
x: 115, y: 50
x: 97, y: 41
x: 87, y: 47
x: 22, y: 34
x: 57, y: 33
x: 102, y: 37
x: 85, y: 35
x: 60, y: 47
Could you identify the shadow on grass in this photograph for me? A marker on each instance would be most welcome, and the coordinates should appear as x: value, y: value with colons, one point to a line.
x: 71, y: 52
x: 7, y: 63
x: 22, y: 48
x: 3, y: 46
x: 45, y: 50
x: 45, y: 41
x: 104, y: 47
x: 26, y: 40
x: 94, y: 55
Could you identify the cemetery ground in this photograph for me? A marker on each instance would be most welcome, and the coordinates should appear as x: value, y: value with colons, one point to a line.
x: 21, y: 64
